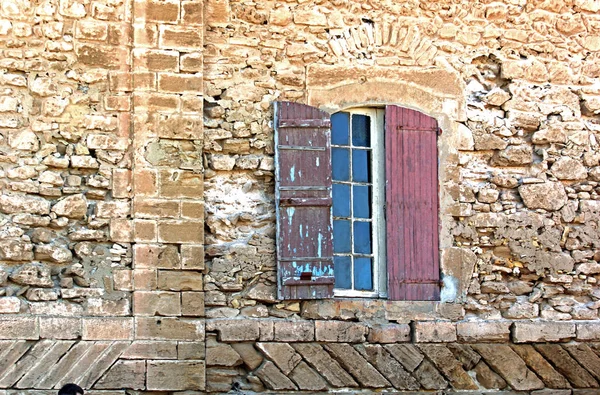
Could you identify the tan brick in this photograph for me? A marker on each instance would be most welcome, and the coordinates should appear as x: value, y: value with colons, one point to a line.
x: 217, y: 12
x: 113, y: 209
x: 182, y: 184
x: 10, y: 304
x: 435, y: 331
x: 156, y: 102
x: 154, y: 256
x: 121, y: 183
x: 155, y: 60
x: 478, y: 331
x: 174, y: 280
x: 145, y: 279
x: 587, y: 331
x: 121, y: 230
x: 119, y: 81
x: 389, y: 333
x: 191, y: 350
x: 16, y: 328
x: 177, y: 126
x: 145, y: 182
x: 181, y: 231
x: 191, y: 62
x: 192, y: 12
x: 123, y: 280
x: 542, y: 331
x: 192, y: 304
x: 192, y: 209
x: 120, y: 34
x: 91, y: 30
x: 179, y: 37
x: 60, y: 328
x: 180, y: 83
x: 107, y: 328
x: 192, y: 257
x: 340, y: 331
x: 168, y: 328
x: 107, y: 142
x: 192, y: 103
x: 107, y: 307
x: 144, y: 349
x: 109, y: 57
x: 155, y: 208
x: 175, y: 375
x: 235, y: 330
x: 145, y: 35
x: 144, y: 231
x: 144, y: 81
x: 156, y: 303
x: 157, y: 11
x: 294, y: 331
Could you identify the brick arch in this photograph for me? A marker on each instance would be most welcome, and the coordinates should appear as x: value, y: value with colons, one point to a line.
x: 435, y: 92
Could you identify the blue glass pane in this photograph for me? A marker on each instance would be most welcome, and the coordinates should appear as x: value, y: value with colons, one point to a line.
x: 363, y: 274
x: 361, y: 125
x: 360, y: 166
x: 362, y: 237
x: 340, y: 128
x: 342, y: 272
x: 341, y: 200
x: 361, y: 201
x: 341, y: 236
x: 340, y: 164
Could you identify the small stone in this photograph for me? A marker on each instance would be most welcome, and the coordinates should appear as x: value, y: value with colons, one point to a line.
x: 568, y: 169
x: 74, y: 206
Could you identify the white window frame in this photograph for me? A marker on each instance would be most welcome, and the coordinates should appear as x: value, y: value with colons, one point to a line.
x: 378, y: 228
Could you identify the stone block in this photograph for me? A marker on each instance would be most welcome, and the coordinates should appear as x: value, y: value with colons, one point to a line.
x: 543, y: 331
x: 145, y: 182
x: 192, y: 209
x: 340, y: 331
x: 252, y: 358
x: 180, y: 83
x: 104, y: 56
x: 144, y: 231
x: 10, y: 304
x: 155, y: 60
x: 192, y: 12
x: 407, y: 354
x: 192, y: 304
x: 181, y: 231
x: 540, y: 366
x: 273, y: 377
x: 155, y: 208
x: 588, y: 331
x: 181, y: 127
x: 181, y: 184
x: 17, y: 328
x: 121, y: 230
x: 107, y: 328
x: 60, y: 328
x: 175, y: 375
x: 282, y: 354
x: 325, y: 364
x: 180, y: 37
x: 156, y: 11
x: 486, y: 331
x: 142, y: 349
x: 435, y: 332
x: 444, y: 360
x: 294, y: 331
x: 145, y: 279
x: 175, y: 280
x: 192, y: 257
x: 121, y: 183
x: 358, y: 366
x: 156, y: 303
x: 216, y: 12
x: 389, y: 333
x: 124, y: 374
x: 191, y: 350
x: 307, y: 379
x: 147, y: 256
x: 221, y: 354
x: 123, y: 280
x: 377, y: 356
x: 168, y: 328
x: 235, y: 330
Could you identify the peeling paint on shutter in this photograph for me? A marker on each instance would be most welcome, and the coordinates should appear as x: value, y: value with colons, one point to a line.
x: 412, y: 205
x: 303, y: 200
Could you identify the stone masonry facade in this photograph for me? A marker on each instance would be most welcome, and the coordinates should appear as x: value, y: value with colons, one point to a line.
x: 137, y: 211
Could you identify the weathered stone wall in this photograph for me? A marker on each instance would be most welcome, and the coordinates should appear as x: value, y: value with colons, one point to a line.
x: 136, y: 154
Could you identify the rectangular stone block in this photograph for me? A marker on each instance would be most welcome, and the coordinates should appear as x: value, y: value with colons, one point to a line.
x: 181, y: 127
x: 180, y: 83
x: 113, y: 209
x: 60, y: 328
x: 192, y: 257
x: 156, y: 11
x: 121, y: 183
x: 143, y: 349
x: 180, y: 37
x: 121, y: 230
x: 123, y: 280
x: 145, y: 182
x: 389, y: 333
x: 145, y: 279
x: 478, y: 331
x: 107, y: 328
x: 340, y: 331
x: 155, y: 208
x: 192, y: 304
x: 191, y: 350
x: 235, y: 330
x: 294, y: 331
x: 192, y: 209
x: 175, y: 375
x: 150, y: 101
x: 588, y: 331
x: 155, y: 60
x: 104, y: 56
x: 435, y: 332
x: 181, y: 184
x: 542, y: 331
x: 145, y: 35
x: 192, y: 12
x: 148, y: 256
x: 17, y: 328
x: 10, y: 304
x: 145, y: 231
x: 174, y: 280
x: 181, y: 231
x: 156, y: 303
x: 168, y: 328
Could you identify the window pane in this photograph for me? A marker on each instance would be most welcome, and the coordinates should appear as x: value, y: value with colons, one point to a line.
x: 343, y: 273
x: 341, y: 236
x: 361, y: 125
x: 361, y: 201
x: 362, y: 237
x: 363, y: 274
x: 360, y: 166
x: 341, y: 200
x: 340, y: 128
x: 340, y: 164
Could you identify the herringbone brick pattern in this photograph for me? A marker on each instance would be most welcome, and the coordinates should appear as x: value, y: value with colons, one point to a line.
x: 472, y: 367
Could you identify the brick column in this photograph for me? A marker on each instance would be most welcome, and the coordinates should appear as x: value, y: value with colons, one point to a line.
x: 168, y: 212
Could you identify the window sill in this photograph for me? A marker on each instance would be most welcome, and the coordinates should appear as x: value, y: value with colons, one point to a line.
x: 381, y: 310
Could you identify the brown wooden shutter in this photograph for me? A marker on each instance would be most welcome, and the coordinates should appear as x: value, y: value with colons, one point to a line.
x: 303, y: 199
x: 411, y: 205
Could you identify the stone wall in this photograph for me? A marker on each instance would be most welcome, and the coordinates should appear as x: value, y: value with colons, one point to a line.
x: 137, y: 207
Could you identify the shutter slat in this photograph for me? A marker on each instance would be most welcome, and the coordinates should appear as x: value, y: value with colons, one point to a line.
x: 303, y: 200
x: 412, y: 205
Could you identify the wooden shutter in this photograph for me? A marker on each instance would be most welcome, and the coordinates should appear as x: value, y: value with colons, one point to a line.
x: 303, y: 200
x: 411, y: 205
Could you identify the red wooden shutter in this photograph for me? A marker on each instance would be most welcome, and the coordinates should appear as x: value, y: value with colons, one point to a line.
x: 303, y: 199
x: 411, y: 205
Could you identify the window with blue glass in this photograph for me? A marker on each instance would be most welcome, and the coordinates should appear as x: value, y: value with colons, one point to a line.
x: 358, y: 202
